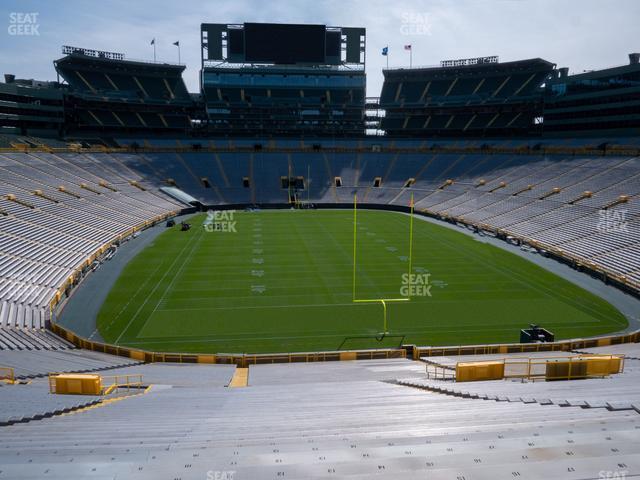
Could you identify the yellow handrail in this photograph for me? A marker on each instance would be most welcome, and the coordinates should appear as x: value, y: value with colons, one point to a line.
x: 127, y: 382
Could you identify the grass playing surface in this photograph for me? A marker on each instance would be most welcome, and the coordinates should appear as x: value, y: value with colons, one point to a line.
x: 283, y: 283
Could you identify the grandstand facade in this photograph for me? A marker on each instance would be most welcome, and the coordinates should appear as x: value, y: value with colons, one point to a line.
x: 111, y: 95
x: 30, y: 107
x: 292, y: 80
x: 480, y: 99
x: 602, y: 101
x: 284, y: 101
x: 103, y: 95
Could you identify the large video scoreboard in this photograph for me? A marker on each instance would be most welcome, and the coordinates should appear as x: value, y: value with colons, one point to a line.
x: 282, y: 44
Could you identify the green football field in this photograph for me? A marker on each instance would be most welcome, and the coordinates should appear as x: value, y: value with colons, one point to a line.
x: 282, y: 281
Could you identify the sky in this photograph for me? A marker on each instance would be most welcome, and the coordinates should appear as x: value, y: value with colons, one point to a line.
x: 579, y: 34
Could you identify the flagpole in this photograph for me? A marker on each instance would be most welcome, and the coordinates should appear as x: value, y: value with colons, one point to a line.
x: 178, y: 53
x: 411, y: 57
x: 154, y: 50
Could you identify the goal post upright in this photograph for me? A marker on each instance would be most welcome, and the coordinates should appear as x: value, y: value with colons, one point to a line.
x: 410, y: 242
x: 355, y: 233
x: 383, y: 301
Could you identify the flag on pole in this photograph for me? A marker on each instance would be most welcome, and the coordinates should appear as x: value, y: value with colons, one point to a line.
x: 177, y: 44
x: 385, y: 53
x: 153, y: 42
x: 408, y: 49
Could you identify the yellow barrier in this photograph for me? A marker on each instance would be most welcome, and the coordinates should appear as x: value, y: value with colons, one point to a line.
x: 475, y: 371
x: 347, y: 356
x: 585, y: 367
x: 75, y: 384
x: 571, y: 369
x: 548, y: 368
x: 137, y: 355
x: 7, y: 375
x: 91, y: 384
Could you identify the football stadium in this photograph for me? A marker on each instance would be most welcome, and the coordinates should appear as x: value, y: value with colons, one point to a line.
x: 276, y: 270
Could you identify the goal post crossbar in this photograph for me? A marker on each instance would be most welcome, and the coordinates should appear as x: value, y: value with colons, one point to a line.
x: 383, y: 301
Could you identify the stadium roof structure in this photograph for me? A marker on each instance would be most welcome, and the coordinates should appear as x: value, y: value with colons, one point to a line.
x: 68, y: 66
x: 472, y: 69
x: 88, y: 71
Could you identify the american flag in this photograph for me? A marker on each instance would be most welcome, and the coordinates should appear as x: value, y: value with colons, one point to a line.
x: 407, y: 47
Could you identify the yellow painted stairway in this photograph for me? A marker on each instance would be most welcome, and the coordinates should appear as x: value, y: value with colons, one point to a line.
x: 240, y: 378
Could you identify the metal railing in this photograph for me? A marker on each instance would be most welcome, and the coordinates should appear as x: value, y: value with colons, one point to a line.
x: 539, y: 368
x: 121, y: 382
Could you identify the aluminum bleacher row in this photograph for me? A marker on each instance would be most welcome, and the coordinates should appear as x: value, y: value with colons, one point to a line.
x: 56, y: 212
x: 316, y: 420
